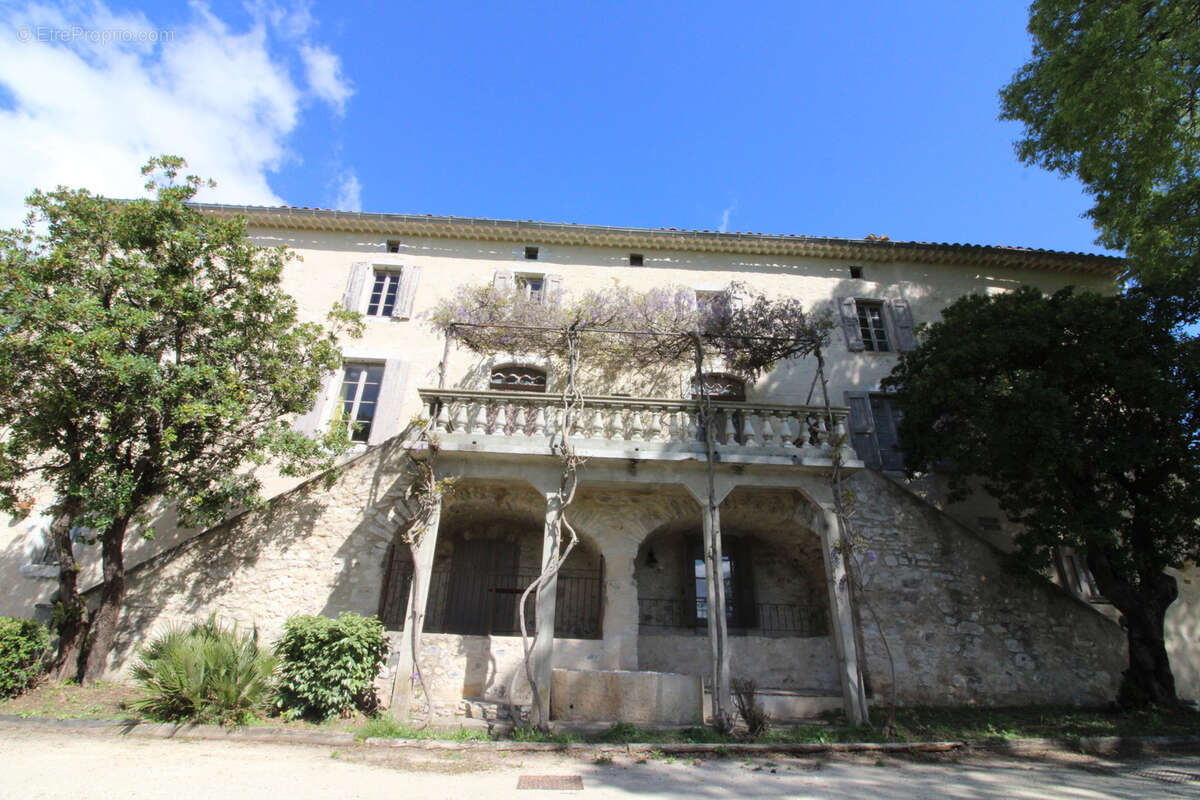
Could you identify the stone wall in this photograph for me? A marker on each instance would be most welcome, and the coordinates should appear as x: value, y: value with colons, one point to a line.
x: 960, y: 627
x: 805, y: 665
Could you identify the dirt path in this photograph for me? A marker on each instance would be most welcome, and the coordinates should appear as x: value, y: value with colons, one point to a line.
x: 42, y: 765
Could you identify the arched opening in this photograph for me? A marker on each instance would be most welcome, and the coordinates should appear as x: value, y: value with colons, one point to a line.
x: 777, y: 610
x: 770, y: 589
x: 482, y: 565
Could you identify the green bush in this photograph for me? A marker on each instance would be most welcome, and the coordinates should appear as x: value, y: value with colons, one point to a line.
x: 327, y: 666
x: 205, y: 673
x: 22, y: 649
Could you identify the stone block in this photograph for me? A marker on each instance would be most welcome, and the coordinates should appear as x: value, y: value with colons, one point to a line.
x: 646, y: 698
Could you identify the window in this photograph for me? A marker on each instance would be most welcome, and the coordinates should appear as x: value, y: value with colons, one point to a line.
x: 877, y: 326
x: 532, y: 287
x: 856, y: 272
x: 721, y: 386
x: 636, y: 260
x: 874, y: 422
x: 1075, y: 576
x: 360, y: 396
x: 871, y: 326
x: 513, y: 378
x: 740, y: 610
x: 384, y: 292
x: 393, y: 246
x: 531, y: 253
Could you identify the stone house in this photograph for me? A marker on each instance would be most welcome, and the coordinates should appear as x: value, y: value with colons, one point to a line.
x: 629, y: 612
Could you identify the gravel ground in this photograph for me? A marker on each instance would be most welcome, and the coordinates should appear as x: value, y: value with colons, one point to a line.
x: 80, y: 766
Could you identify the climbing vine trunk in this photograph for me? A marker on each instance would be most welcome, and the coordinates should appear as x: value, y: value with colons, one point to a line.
x: 714, y: 577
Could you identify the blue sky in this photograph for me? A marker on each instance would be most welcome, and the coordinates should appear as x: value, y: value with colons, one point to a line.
x: 811, y: 118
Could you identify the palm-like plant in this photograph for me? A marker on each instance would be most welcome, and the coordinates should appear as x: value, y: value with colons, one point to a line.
x: 207, y: 672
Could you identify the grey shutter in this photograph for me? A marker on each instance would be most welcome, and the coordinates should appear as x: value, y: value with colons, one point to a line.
x: 902, y: 323
x: 408, y: 290
x: 352, y: 299
x: 886, y: 416
x: 862, y: 428
x: 311, y: 420
x: 391, y: 401
x: 849, y: 312
x: 503, y: 281
x: 551, y: 287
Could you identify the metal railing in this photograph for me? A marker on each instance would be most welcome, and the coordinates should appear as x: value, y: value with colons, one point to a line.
x: 486, y: 604
x: 770, y: 619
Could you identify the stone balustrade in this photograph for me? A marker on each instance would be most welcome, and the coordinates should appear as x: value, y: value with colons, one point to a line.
x: 635, y: 427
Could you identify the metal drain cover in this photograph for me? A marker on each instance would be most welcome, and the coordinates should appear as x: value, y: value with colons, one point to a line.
x: 550, y: 782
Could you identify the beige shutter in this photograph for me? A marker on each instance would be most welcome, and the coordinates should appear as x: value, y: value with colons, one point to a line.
x: 551, y: 287
x: 310, y: 421
x: 408, y: 290
x: 352, y: 300
x: 503, y: 281
x: 849, y: 313
x: 862, y: 428
x: 902, y: 324
x: 391, y: 401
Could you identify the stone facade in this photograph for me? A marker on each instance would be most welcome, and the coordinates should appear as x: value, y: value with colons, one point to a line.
x: 959, y: 628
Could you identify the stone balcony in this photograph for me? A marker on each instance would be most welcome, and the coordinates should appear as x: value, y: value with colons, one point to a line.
x: 608, y: 427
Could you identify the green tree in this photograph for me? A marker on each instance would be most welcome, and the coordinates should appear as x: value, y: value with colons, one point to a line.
x: 148, y: 354
x: 1080, y: 415
x: 1111, y: 96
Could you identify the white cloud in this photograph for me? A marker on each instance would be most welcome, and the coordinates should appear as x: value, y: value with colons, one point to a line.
x: 324, y: 71
x: 89, y: 110
x: 349, y: 196
x: 725, y: 215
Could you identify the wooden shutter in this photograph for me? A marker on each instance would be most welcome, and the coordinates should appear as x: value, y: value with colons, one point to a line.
x: 862, y: 428
x: 849, y: 313
x: 902, y: 324
x: 503, y: 281
x: 310, y: 421
x: 391, y: 401
x: 352, y: 300
x: 551, y: 287
x: 408, y: 290
x: 885, y: 415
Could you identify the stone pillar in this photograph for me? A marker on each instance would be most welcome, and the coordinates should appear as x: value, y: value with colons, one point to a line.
x: 547, y: 595
x: 414, y: 621
x: 842, y: 619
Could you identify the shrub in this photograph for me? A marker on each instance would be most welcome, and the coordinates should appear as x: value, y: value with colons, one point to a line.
x: 745, y: 697
x: 22, y: 649
x: 205, y: 673
x: 327, y: 666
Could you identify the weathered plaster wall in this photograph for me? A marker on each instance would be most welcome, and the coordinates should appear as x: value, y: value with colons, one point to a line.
x: 961, y: 628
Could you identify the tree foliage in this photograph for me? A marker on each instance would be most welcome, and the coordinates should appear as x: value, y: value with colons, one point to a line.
x: 1111, y: 95
x: 149, y: 352
x: 1081, y: 415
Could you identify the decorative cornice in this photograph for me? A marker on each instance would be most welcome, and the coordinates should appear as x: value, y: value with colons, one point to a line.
x: 877, y: 250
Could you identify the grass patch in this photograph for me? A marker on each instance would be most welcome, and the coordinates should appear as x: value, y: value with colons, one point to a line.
x: 1037, y: 722
x: 388, y: 728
